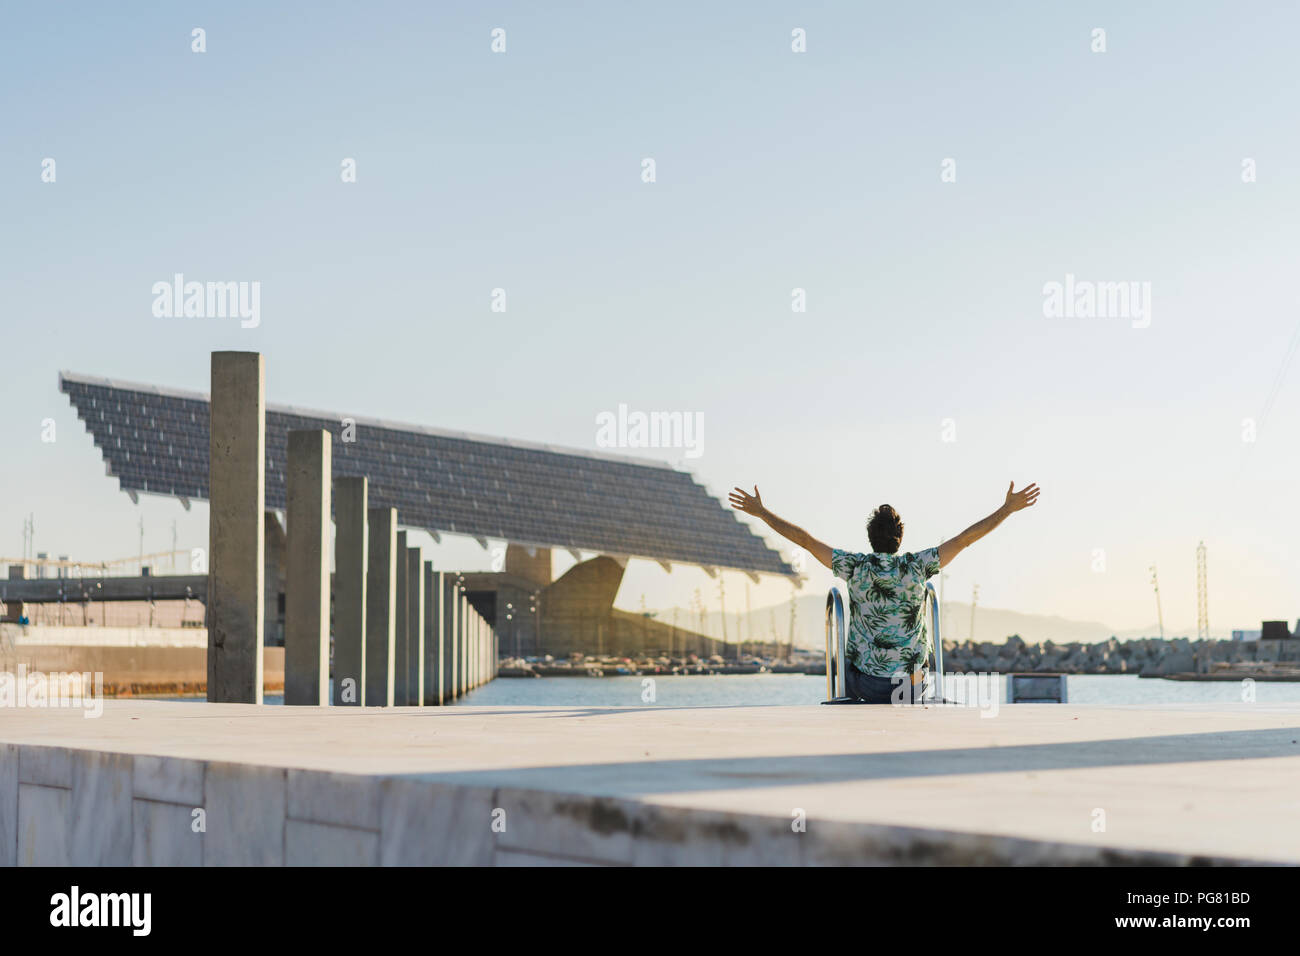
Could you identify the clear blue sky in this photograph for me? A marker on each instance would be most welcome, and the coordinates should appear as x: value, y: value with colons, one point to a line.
x: 775, y: 170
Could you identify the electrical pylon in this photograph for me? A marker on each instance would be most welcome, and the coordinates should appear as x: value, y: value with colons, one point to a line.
x: 1202, y: 596
x: 1160, y: 616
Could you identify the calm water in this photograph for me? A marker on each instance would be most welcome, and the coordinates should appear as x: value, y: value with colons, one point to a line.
x: 794, y: 689
x: 791, y: 689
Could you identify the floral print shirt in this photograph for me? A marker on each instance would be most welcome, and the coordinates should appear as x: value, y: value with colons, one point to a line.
x: 887, y: 633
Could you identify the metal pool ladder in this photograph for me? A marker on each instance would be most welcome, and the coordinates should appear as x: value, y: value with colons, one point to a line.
x: 936, y: 642
x: 835, y: 650
x: 836, y: 636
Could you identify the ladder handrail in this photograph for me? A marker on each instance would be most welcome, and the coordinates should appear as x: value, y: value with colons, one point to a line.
x: 936, y: 640
x: 835, y: 654
x: 835, y: 649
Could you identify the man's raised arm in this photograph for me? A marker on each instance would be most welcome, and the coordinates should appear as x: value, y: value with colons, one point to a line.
x: 1016, y: 501
x: 753, y: 505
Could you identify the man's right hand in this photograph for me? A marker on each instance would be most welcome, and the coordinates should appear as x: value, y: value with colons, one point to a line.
x: 742, y: 500
x: 1017, y: 500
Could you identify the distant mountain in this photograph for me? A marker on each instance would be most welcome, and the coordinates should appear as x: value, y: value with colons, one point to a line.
x: 991, y: 624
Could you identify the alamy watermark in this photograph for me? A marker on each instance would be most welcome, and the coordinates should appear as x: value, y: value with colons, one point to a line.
x: 128, y: 910
x: 1086, y: 299
x: 634, y: 429
x: 983, y: 690
x: 58, y: 689
x: 208, y: 300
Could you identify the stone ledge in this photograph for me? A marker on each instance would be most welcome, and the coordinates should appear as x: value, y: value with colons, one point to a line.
x: 269, y: 816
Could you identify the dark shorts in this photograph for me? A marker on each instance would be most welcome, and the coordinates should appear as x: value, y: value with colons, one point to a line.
x: 881, y: 690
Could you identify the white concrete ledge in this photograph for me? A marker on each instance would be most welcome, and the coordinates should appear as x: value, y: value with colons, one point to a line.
x: 51, y: 635
x: 644, y: 786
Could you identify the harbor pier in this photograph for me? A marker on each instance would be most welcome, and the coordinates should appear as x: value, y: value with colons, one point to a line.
x: 649, y: 784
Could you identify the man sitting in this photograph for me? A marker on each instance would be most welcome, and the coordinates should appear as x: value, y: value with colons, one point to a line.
x: 887, y: 646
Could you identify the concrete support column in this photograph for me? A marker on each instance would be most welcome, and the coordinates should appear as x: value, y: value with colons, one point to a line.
x: 273, y: 567
x: 471, y: 679
x: 381, y: 607
x: 433, y: 635
x: 414, y: 628
x: 458, y: 686
x: 463, y: 658
x: 351, y: 500
x: 307, y: 568
x: 236, y: 536
x: 451, y: 623
x: 401, y: 674
x: 467, y: 673
x: 473, y: 649
x: 478, y: 651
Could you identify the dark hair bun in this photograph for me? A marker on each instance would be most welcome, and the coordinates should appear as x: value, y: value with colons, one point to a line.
x: 885, y: 529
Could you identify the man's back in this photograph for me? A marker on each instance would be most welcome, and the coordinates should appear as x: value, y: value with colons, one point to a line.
x: 886, y: 589
x: 886, y: 608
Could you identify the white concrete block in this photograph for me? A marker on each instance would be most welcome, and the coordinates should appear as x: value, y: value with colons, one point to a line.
x: 163, y: 835
x: 320, y: 844
x: 245, y: 815
x: 43, y: 825
x: 8, y: 804
x: 47, y: 766
x: 595, y: 829
x: 341, y: 799
x: 435, y: 824
x: 168, y: 780
x: 671, y: 836
x: 100, y: 822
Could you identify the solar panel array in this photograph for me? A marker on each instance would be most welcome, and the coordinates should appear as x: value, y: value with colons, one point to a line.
x: 157, y: 442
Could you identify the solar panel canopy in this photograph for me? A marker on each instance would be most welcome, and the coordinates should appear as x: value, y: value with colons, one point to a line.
x: 155, y: 441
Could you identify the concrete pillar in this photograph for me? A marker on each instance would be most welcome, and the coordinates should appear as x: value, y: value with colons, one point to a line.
x: 273, y: 549
x: 478, y: 651
x: 381, y: 607
x: 451, y: 624
x: 467, y: 672
x: 351, y: 499
x: 401, y: 674
x: 458, y: 687
x: 307, y: 568
x: 236, y: 536
x: 414, y: 628
x: 473, y: 649
x: 472, y: 677
x: 433, y: 635
x: 463, y: 657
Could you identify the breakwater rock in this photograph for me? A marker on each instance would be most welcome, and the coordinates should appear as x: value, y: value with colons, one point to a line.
x: 1147, y: 657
